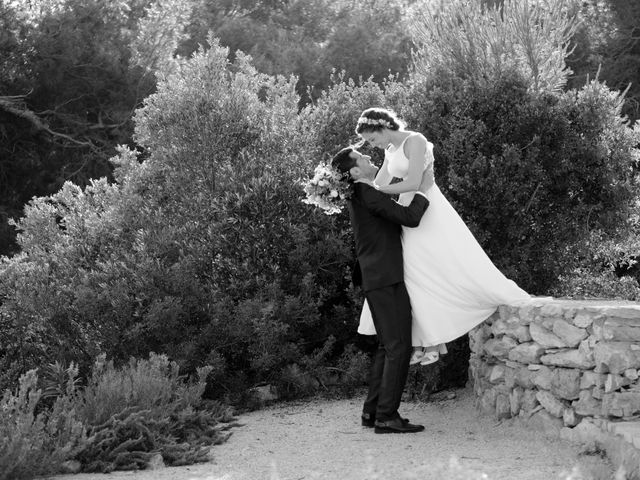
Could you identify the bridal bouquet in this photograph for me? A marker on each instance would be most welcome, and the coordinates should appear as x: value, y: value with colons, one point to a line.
x: 328, y: 189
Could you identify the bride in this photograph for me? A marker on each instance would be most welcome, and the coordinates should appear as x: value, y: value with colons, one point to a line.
x: 452, y: 283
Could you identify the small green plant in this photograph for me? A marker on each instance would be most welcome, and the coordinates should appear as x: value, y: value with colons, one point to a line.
x: 120, y: 420
x: 146, y: 408
x: 34, y: 443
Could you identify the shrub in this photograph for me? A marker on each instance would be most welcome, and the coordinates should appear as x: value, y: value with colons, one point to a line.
x: 143, y: 409
x: 36, y: 443
x: 120, y: 420
x: 529, y: 174
x: 206, y: 237
x: 482, y: 43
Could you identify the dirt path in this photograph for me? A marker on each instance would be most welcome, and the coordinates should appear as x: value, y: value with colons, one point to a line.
x: 323, y: 440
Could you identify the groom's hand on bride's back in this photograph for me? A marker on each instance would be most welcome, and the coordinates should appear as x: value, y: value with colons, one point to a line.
x: 427, y: 180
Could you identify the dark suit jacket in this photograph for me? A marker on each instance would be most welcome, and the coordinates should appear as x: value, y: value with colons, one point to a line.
x: 376, y: 220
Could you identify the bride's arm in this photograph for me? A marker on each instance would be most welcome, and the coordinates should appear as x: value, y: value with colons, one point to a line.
x: 415, y: 150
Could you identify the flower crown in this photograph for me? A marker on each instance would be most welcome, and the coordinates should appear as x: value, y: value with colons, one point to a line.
x: 372, y: 121
x: 328, y: 189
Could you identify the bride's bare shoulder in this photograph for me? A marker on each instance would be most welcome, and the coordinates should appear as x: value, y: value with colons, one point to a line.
x: 415, y: 140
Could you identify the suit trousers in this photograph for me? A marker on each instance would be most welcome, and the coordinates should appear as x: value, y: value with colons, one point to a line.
x: 391, y: 312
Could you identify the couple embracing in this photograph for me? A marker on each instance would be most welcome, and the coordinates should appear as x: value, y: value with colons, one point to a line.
x: 425, y: 278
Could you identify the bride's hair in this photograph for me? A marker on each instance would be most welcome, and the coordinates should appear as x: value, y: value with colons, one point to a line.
x: 375, y: 119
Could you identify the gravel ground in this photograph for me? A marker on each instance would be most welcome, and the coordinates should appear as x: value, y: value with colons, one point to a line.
x: 323, y: 440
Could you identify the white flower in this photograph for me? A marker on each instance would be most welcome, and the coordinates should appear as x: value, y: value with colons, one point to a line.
x: 334, y: 193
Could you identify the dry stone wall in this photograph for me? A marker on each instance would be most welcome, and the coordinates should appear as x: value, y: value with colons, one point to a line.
x: 559, y: 361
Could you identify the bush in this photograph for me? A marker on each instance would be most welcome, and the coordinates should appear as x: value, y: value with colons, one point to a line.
x: 206, y: 237
x: 36, y: 443
x: 530, y: 174
x: 146, y: 408
x: 482, y: 42
x: 120, y: 420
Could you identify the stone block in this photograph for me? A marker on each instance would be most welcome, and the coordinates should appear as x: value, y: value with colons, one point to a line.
x: 526, y: 353
x: 527, y: 313
x: 629, y: 313
x: 550, y: 403
x: 586, y: 347
x: 543, y: 377
x: 565, y: 383
x: 488, y: 401
x: 503, y: 406
x: 499, y: 347
x: 591, y: 378
x: 570, y: 359
x: 615, y: 357
x: 552, y: 310
x: 621, y: 404
x: 477, y: 337
x: 514, y: 330
x: 524, y: 378
x: 615, y: 382
x: 583, y: 319
x: 529, y: 401
x: 515, y: 400
x: 543, y: 420
x: 586, y: 405
x: 509, y: 377
x: 568, y: 333
x: 597, y: 392
x: 492, y: 318
x: 570, y: 418
x: 623, y: 333
x: 504, y: 326
x: 496, y: 374
x: 545, y: 337
x: 631, y: 374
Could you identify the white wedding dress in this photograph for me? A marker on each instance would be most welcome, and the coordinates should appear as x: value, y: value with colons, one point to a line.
x: 452, y: 283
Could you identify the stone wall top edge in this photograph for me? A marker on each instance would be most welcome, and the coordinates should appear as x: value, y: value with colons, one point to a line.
x: 577, y: 303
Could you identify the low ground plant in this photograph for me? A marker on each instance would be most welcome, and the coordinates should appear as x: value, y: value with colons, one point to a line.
x: 120, y: 420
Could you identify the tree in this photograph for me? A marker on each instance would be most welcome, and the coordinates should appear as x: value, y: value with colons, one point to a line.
x: 609, y: 49
x: 67, y: 94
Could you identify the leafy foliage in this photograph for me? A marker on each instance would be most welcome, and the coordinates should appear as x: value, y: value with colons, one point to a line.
x: 207, y: 237
x: 33, y: 443
x: 200, y: 247
x: 529, y: 174
x: 67, y: 94
x: 607, y: 49
x: 310, y: 38
x: 119, y: 420
x: 480, y: 43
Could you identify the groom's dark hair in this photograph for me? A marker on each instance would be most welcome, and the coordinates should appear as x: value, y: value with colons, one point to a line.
x: 343, y: 162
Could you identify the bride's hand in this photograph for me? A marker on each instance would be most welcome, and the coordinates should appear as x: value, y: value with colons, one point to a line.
x: 428, y: 179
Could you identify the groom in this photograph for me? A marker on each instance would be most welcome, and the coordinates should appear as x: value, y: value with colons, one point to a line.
x: 376, y: 220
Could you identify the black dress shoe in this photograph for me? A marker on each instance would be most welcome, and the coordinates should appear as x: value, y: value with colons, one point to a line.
x: 397, y: 425
x: 369, y: 420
